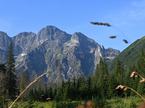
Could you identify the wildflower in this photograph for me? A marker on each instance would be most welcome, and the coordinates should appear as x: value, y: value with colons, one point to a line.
x: 142, y: 81
x: 134, y: 74
x: 125, y: 89
x: 121, y: 87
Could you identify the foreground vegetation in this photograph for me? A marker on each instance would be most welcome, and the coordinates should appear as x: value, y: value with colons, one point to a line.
x: 98, y: 87
x: 128, y: 102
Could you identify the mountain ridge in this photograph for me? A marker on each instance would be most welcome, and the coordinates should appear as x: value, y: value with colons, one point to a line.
x: 132, y: 52
x: 51, y: 48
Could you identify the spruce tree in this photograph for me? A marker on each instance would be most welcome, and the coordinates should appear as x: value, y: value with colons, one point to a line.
x: 99, y: 80
x: 100, y: 84
x: 2, y: 81
x: 12, y: 89
x: 24, y: 80
x: 118, y: 72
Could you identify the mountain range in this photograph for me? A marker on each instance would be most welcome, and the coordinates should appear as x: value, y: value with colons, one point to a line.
x: 65, y: 55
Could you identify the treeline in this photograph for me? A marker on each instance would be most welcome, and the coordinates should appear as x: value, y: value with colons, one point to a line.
x: 99, y: 86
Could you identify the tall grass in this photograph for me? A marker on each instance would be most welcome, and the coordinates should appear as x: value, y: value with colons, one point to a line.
x: 124, y: 88
x: 26, y: 89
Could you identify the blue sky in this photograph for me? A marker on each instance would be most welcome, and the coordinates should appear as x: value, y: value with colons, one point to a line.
x: 74, y: 16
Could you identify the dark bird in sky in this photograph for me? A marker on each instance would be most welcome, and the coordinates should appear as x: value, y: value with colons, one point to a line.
x: 109, y: 25
x: 125, y: 41
x: 113, y: 37
x: 101, y: 24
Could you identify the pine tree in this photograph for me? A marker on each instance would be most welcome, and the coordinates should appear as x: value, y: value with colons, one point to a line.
x: 118, y: 72
x: 100, y: 80
x: 24, y: 80
x: 2, y: 80
x: 100, y: 83
x: 50, y: 92
x: 12, y: 89
x: 82, y: 87
x: 74, y: 89
x: 89, y: 88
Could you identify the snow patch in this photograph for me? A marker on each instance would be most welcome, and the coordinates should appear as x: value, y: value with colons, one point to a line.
x: 23, y: 54
x: 110, y: 58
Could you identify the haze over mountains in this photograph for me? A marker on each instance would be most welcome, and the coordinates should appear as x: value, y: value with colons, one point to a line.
x: 65, y: 55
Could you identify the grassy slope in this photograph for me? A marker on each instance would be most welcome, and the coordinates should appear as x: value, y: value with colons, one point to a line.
x: 131, y: 54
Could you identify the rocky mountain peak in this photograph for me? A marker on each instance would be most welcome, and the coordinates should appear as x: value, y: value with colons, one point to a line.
x: 25, y: 34
x: 111, y: 53
x: 79, y: 36
x: 4, y: 40
x: 23, y: 42
x: 50, y: 33
x: 4, y: 44
x: 36, y: 53
x: 3, y: 33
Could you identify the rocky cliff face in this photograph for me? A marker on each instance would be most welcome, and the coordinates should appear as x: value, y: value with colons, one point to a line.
x: 4, y: 43
x: 65, y: 55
